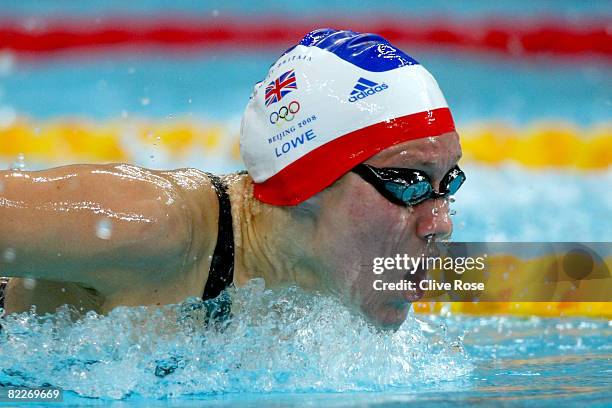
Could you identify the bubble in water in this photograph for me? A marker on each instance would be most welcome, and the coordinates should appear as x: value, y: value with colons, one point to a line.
x: 9, y: 255
x: 189, y: 101
x: 453, y: 212
x: 145, y: 101
x: 29, y: 283
x: 131, y: 70
x: 104, y: 228
x: 451, y: 199
x: 215, y: 13
x: 19, y: 164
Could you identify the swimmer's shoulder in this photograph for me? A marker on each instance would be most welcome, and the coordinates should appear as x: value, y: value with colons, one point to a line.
x: 198, y: 200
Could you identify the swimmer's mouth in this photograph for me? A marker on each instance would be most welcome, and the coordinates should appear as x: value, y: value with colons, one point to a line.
x: 417, y: 277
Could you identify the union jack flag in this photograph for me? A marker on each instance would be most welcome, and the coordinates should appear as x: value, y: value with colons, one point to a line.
x: 280, y: 87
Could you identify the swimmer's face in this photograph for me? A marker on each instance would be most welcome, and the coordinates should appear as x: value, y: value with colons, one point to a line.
x: 356, y: 224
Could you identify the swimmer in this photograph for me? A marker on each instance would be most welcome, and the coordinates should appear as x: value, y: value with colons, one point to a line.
x: 351, y: 154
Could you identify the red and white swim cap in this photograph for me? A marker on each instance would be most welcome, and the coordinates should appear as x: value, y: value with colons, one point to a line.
x: 329, y: 103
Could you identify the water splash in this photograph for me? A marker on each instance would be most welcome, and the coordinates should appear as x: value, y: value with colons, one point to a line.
x: 275, y: 341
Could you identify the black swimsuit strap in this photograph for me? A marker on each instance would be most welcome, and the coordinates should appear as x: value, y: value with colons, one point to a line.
x: 221, y: 274
x: 3, y: 283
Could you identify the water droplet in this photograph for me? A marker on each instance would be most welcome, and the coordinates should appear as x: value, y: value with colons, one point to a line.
x: 104, y: 228
x: 29, y: 283
x: 7, y: 63
x: 9, y: 255
x: 145, y: 101
x: 515, y: 46
x: 31, y: 24
x: 19, y: 164
x: 8, y: 116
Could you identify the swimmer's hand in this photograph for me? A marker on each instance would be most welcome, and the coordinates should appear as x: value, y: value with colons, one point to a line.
x: 107, y: 227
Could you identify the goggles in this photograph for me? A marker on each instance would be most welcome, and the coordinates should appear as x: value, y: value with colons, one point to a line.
x: 408, y: 187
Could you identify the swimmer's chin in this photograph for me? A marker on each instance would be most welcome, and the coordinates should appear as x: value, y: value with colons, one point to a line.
x: 388, y: 317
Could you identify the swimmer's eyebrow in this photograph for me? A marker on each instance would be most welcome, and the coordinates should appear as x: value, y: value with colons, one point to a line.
x: 429, y: 166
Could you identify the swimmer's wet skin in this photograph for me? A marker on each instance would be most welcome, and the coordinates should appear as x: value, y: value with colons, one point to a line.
x: 299, y: 216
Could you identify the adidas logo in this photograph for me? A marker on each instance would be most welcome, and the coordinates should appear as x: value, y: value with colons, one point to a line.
x: 364, y: 88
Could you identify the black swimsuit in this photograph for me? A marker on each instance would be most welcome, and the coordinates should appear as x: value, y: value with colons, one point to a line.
x: 3, y: 283
x: 221, y: 273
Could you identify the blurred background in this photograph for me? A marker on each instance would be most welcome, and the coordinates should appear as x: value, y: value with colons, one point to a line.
x: 163, y: 84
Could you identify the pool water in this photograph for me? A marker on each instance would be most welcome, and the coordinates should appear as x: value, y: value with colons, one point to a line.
x: 290, y: 347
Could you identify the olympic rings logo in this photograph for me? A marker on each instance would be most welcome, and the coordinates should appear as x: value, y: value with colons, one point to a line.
x: 286, y: 113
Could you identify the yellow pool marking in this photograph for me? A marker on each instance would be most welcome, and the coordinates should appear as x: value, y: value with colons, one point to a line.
x: 539, y: 146
x: 546, y: 145
x: 542, y: 309
x: 530, y: 275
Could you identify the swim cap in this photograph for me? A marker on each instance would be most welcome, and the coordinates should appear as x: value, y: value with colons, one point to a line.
x: 329, y: 103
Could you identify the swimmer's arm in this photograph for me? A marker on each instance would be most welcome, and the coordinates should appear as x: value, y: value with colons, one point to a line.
x: 109, y: 227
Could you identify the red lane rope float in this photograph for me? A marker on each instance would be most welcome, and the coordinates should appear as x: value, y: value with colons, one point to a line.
x: 504, y: 36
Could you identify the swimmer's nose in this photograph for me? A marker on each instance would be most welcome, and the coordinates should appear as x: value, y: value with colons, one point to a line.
x: 433, y: 219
